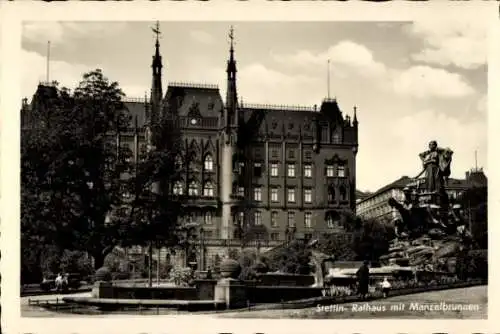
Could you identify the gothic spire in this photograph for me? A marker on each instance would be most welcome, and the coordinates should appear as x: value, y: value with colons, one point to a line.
x: 231, y: 94
x: 156, y: 87
x: 231, y: 63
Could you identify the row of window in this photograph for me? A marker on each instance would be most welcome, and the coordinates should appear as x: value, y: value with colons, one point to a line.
x: 331, y: 171
x: 291, y: 194
x: 291, y: 169
x: 208, y: 163
x: 274, y: 194
x: 209, y: 191
x: 193, y: 189
x: 331, y: 223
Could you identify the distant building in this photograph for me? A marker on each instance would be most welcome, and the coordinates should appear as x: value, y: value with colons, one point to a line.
x: 284, y: 171
x: 360, y: 195
x: 376, y: 206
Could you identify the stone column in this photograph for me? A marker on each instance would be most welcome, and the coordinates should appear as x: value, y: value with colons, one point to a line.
x: 231, y: 291
x: 226, y: 187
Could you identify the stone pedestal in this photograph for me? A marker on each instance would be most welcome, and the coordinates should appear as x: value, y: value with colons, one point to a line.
x: 231, y: 291
x: 205, y: 289
x: 102, y: 289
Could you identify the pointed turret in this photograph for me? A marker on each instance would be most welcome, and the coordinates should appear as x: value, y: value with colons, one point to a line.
x: 156, y: 87
x: 231, y: 118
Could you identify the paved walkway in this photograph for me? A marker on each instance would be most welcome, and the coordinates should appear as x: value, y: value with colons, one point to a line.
x: 473, y: 297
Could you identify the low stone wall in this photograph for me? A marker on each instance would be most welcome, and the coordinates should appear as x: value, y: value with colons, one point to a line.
x: 131, y: 292
x: 275, y: 294
x: 281, y: 279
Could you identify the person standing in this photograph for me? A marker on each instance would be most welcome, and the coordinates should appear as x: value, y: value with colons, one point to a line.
x: 59, y: 282
x: 386, y: 286
x: 363, y: 276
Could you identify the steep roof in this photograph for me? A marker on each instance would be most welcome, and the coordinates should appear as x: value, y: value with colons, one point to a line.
x: 187, y: 97
x: 136, y: 108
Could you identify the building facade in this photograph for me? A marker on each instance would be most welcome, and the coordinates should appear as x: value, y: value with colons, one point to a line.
x: 258, y: 173
x: 376, y: 205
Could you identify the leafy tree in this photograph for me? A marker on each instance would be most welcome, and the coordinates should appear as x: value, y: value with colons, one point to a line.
x: 71, y: 170
x: 155, y: 209
x: 294, y: 258
x: 341, y: 249
x: 474, y: 201
x: 372, y: 240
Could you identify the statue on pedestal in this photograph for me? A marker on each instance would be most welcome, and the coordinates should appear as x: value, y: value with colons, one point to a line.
x: 436, y: 162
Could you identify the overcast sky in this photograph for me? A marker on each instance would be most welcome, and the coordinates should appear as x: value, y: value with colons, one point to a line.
x: 412, y: 82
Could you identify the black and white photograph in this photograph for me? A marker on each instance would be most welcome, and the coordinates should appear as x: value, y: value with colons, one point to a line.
x: 246, y: 169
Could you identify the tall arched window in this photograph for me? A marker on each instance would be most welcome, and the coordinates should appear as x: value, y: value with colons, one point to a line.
x: 193, y: 189
x: 331, y: 194
x: 178, y: 188
x: 208, y: 189
x: 343, y: 193
x: 209, y: 163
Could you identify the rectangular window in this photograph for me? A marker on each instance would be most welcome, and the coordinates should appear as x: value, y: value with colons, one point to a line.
x: 208, y: 218
x: 291, y: 154
x: 241, y: 191
x: 257, y: 169
x: 330, y: 222
x: 274, y: 153
x: 274, y: 194
x: 291, y: 170
x: 257, y: 194
x: 209, y: 234
x: 291, y: 219
x: 308, y: 171
x: 330, y: 170
x: 308, y: 236
x: 308, y: 195
x: 308, y: 155
x: 308, y: 220
x: 341, y: 171
x: 291, y: 195
x: 257, y: 218
x: 275, y: 236
x: 274, y: 219
x: 259, y: 236
x: 274, y: 170
x: 241, y: 167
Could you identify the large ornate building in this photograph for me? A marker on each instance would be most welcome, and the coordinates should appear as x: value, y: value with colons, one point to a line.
x: 272, y: 172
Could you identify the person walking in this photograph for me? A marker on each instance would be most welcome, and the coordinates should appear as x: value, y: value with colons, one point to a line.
x: 363, y: 275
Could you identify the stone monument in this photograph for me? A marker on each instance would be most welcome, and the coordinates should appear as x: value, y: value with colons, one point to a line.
x: 430, y: 230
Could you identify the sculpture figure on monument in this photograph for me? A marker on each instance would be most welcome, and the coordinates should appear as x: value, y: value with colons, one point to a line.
x: 437, y: 168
